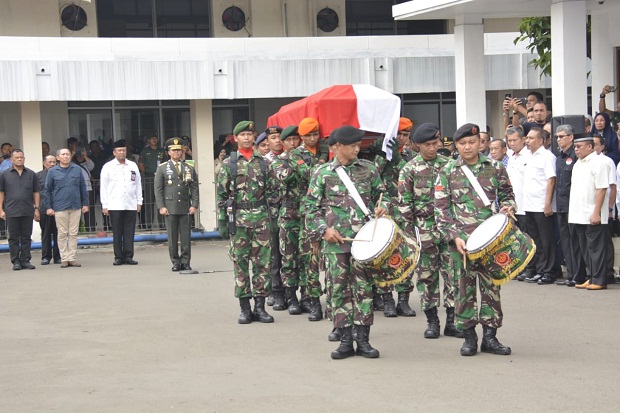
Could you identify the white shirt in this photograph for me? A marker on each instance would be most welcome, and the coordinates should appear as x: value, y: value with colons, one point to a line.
x: 538, y: 171
x: 515, y: 169
x: 121, y: 188
x: 589, y: 174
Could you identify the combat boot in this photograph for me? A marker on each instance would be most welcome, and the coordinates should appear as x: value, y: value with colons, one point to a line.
x: 363, y: 346
x: 402, y: 308
x: 377, y: 300
x: 316, y: 312
x: 259, y: 311
x: 291, y: 301
x: 450, y: 329
x: 279, y: 303
x: 304, y: 302
x: 345, y: 349
x: 271, y: 299
x: 335, y: 335
x: 246, y: 311
x: 470, y: 346
x: 490, y: 344
x: 432, y: 331
x: 389, y: 309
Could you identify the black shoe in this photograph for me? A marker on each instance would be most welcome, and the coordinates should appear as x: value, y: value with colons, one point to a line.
x: 533, y: 278
x: 316, y: 312
x: 377, y: 301
x: 176, y: 267
x: 246, y: 311
x: 17, y: 266
x: 335, y: 335
x: 562, y: 282
x: 27, y: 266
x: 184, y: 267
x: 522, y: 276
x: 470, y: 346
x: 450, y: 329
x: 118, y: 261
x: 433, y: 328
x: 45, y: 261
x: 403, y: 308
x: 259, y: 313
x: 364, y: 348
x: 280, y: 303
x: 291, y: 301
x: 271, y: 299
x: 345, y: 349
x: 490, y: 344
x: 58, y: 261
x: 389, y: 306
x: 570, y: 283
x: 131, y: 261
x: 546, y: 279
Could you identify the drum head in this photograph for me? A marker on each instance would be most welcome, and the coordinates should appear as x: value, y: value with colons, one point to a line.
x: 486, y: 232
x: 364, y: 251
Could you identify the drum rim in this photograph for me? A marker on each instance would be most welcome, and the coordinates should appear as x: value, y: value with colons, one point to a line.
x: 474, y: 253
x: 378, y: 253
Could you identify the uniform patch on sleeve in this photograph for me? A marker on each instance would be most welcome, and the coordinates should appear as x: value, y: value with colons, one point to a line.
x: 438, y: 188
x: 300, y: 161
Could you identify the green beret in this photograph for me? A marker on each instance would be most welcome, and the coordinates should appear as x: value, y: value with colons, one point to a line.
x: 289, y: 131
x: 173, y: 143
x: 468, y: 129
x: 244, y: 125
x: 347, y: 135
x: 426, y: 132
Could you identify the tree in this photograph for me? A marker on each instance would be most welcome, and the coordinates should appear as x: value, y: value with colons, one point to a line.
x: 537, y: 30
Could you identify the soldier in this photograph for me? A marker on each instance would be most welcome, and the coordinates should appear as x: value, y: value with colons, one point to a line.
x: 150, y: 158
x: 262, y: 145
x: 331, y: 214
x: 245, y: 191
x: 289, y: 219
x: 276, y: 297
x: 176, y: 196
x: 389, y: 172
x: 416, y: 188
x: 459, y: 209
x: 304, y: 161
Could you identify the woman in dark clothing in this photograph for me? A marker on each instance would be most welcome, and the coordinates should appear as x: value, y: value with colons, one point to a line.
x: 602, y: 126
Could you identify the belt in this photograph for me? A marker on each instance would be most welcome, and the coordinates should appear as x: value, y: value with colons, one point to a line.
x: 288, y: 203
x: 250, y: 205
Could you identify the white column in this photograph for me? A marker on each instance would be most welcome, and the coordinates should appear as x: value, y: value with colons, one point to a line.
x: 30, y: 142
x: 604, y: 34
x: 201, y: 116
x: 568, y: 58
x: 469, y: 68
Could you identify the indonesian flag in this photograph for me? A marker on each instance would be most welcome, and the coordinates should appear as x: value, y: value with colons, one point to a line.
x: 364, y: 106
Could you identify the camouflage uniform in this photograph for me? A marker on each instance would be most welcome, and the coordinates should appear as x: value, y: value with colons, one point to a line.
x: 416, y: 187
x: 329, y: 204
x: 389, y: 173
x: 458, y: 211
x: 303, y: 163
x: 289, y: 222
x: 255, y: 200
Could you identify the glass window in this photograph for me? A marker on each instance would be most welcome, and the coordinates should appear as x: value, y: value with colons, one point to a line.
x: 176, y: 123
x: 135, y: 126
x: 88, y: 125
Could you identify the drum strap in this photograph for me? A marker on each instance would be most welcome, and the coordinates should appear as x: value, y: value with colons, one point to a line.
x: 476, y: 185
x: 342, y: 174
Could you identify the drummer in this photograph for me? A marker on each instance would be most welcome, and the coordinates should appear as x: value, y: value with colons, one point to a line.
x: 459, y: 209
x: 416, y: 188
x: 331, y: 214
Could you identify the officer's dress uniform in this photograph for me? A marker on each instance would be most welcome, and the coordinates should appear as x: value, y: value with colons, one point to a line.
x: 177, y: 190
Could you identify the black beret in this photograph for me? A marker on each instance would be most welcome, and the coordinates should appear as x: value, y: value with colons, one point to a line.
x: 289, y: 131
x: 273, y: 129
x: 426, y: 132
x: 346, y: 135
x: 120, y: 144
x: 173, y: 143
x: 468, y: 129
x: 331, y: 140
x: 260, y: 138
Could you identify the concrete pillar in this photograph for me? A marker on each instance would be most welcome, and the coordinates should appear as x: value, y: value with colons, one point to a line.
x: 603, y: 51
x: 470, y: 71
x: 201, y: 117
x: 30, y: 142
x: 568, y: 59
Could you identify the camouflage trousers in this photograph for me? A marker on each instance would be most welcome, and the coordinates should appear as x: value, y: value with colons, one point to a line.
x: 350, y: 292
x: 289, y: 250
x: 434, y: 261
x: 309, y: 267
x: 329, y: 313
x: 467, y: 281
x: 251, y: 244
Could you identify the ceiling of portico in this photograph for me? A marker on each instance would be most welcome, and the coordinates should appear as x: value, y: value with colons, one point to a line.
x: 450, y: 9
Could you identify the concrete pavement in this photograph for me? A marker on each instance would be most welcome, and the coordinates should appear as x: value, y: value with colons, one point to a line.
x: 144, y: 339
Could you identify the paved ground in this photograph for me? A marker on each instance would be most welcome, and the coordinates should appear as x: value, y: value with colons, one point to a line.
x: 143, y: 339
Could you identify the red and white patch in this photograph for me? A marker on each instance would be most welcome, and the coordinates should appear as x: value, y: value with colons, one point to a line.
x: 569, y: 161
